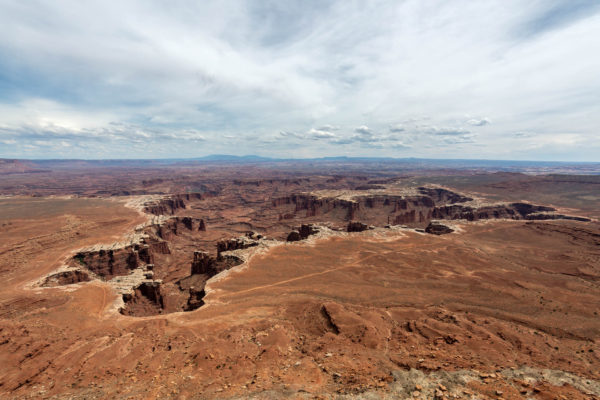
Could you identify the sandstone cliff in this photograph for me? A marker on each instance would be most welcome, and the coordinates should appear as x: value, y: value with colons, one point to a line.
x: 412, y: 209
x: 176, y: 225
x: 169, y: 205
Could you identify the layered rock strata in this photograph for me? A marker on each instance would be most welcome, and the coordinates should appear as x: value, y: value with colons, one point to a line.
x: 169, y: 205
x: 417, y: 208
x: 303, y: 232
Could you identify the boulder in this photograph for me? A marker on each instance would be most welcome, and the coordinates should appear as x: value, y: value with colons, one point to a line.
x: 438, y: 229
x: 294, y: 236
x: 355, y: 226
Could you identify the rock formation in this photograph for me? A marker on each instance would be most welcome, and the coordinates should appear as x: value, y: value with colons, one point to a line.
x: 147, y: 298
x: 373, y: 209
x: 293, y: 236
x: 509, y: 211
x: 444, y: 196
x: 169, y: 205
x: 438, y: 229
x: 547, y: 216
x: 176, y: 225
x: 411, y: 209
x: 111, y: 262
x: 306, y: 230
x: 203, y: 263
x: 243, y: 242
x: 301, y: 233
x: 195, y: 299
x: 159, y: 247
x: 355, y: 226
x: 66, y: 278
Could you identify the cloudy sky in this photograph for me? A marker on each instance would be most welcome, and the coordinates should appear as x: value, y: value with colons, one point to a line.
x: 417, y: 78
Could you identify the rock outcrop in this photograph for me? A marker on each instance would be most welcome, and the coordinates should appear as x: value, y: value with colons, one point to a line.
x: 242, y: 242
x: 165, y: 206
x: 111, y: 262
x: 146, y: 299
x: 293, y: 236
x: 66, y: 278
x: 195, y: 300
x: 312, y: 205
x: 159, y: 247
x: 444, y: 196
x: 417, y: 208
x: 303, y: 232
x: 469, y: 213
x: 119, y: 261
x: 169, y: 205
x: 546, y: 216
x: 438, y: 229
x: 176, y: 225
x: 205, y: 264
x: 374, y: 209
x: 355, y: 226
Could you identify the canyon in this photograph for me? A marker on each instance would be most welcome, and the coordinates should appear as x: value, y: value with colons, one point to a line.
x: 259, y: 282
x: 167, y: 288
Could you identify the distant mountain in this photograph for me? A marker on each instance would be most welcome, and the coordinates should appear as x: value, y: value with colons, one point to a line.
x: 231, y: 158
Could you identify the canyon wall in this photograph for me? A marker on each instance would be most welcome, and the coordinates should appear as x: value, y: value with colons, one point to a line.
x: 175, y: 225
x: 414, y: 210
x: 112, y: 262
x: 169, y: 205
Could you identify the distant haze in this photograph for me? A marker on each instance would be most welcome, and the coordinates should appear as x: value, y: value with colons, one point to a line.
x: 505, y: 79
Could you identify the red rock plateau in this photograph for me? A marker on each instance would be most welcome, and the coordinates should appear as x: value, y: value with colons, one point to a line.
x: 277, y: 281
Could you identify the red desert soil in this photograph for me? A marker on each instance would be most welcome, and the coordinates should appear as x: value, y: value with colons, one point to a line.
x: 496, y: 309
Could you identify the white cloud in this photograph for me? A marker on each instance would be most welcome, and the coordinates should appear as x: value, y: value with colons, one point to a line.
x: 208, y: 77
x: 328, y: 128
x: 523, y: 134
x: 363, y: 130
x: 397, y: 128
x: 443, y: 131
x: 479, y: 122
x: 321, y: 134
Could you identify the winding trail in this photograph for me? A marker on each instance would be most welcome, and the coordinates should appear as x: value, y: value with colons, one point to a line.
x: 103, y: 301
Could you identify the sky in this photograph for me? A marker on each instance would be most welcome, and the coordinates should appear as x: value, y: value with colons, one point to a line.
x: 505, y: 79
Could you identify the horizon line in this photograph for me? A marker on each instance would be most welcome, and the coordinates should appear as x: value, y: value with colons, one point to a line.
x: 257, y: 158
